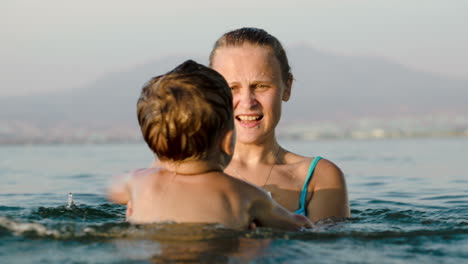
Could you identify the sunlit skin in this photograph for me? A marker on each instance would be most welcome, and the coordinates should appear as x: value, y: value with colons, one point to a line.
x: 197, y: 191
x: 258, y: 90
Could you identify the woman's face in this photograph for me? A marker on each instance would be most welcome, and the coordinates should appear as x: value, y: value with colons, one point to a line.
x: 254, y: 75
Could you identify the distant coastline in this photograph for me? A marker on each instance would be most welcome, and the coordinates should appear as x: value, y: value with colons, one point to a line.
x: 27, y: 133
x: 299, y: 137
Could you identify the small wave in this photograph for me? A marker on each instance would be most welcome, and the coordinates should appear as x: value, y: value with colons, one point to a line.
x: 81, y: 176
x: 389, y: 202
x: 10, y: 208
x: 59, y: 231
x: 461, y: 202
x: 411, y: 219
x: 98, y: 213
x: 18, y: 194
x: 363, y: 235
x: 393, y: 194
x: 201, y: 232
x: 396, y: 204
x: 9, y: 226
x: 446, y: 197
x: 371, y: 184
x: 160, y: 231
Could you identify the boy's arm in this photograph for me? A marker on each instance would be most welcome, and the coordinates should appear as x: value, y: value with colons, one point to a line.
x: 119, y: 190
x: 268, y: 213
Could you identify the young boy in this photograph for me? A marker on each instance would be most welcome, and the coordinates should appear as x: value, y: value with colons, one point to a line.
x: 186, y: 119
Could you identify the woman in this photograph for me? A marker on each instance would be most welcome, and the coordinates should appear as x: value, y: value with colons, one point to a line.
x: 255, y: 66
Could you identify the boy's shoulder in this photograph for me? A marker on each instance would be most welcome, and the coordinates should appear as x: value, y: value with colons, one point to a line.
x: 139, y: 175
x: 243, y: 188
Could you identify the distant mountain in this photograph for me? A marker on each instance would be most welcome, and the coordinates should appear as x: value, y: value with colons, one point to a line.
x: 104, y: 102
x: 326, y: 86
x: 337, y: 87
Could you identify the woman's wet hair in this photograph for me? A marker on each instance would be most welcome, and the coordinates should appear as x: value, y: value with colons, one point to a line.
x: 258, y: 37
x: 184, y: 113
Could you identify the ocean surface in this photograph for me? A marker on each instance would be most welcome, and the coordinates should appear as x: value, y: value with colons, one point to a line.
x: 409, y: 201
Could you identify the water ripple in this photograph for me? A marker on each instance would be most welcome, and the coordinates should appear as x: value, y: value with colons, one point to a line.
x: 103, y: 212
x: 10, y: 208
x: 445, y: 197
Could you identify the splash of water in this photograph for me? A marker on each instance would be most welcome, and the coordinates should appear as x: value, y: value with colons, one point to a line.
x: 70, y: 203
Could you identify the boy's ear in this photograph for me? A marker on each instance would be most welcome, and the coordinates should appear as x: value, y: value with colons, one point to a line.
x: 227, y: 143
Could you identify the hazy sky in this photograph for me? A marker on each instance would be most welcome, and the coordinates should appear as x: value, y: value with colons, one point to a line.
x: 63, y: 44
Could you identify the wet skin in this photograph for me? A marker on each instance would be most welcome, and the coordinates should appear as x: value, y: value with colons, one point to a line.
x: 258, y: 89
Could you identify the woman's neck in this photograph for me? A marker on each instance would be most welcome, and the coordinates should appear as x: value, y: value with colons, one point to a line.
x: 254, y: 154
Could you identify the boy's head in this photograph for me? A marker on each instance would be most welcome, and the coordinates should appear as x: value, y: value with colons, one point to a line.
x: 186, y: 113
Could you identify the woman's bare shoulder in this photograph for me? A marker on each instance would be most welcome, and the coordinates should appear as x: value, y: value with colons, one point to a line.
x: 326, y: 172
x: 328, y: 176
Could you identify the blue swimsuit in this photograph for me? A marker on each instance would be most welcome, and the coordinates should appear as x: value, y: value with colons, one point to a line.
x: 302, y: 200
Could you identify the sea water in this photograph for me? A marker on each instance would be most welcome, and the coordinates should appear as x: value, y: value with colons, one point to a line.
x: 409, y: 204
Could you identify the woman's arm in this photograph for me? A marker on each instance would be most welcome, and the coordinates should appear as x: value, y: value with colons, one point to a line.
x: 329, y: 195
x: 268, y: 213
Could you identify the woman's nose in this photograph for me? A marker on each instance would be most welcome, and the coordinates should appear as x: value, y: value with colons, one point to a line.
x: 247, y: 98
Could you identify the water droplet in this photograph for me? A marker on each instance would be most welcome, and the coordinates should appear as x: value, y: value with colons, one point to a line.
x: 70, y: 202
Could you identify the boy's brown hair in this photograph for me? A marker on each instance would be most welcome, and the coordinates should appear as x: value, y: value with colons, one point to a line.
x: 184, y: 113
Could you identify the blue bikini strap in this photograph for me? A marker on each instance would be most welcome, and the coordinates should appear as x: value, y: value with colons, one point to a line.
x: 302, y: 199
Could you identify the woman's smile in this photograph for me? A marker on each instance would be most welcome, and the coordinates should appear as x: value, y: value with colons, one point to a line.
x: 249, y: 120
x: 254, y: 76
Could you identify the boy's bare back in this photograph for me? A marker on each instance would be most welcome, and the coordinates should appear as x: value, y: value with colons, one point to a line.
x: 159, y: 195
x: 186, y: 119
